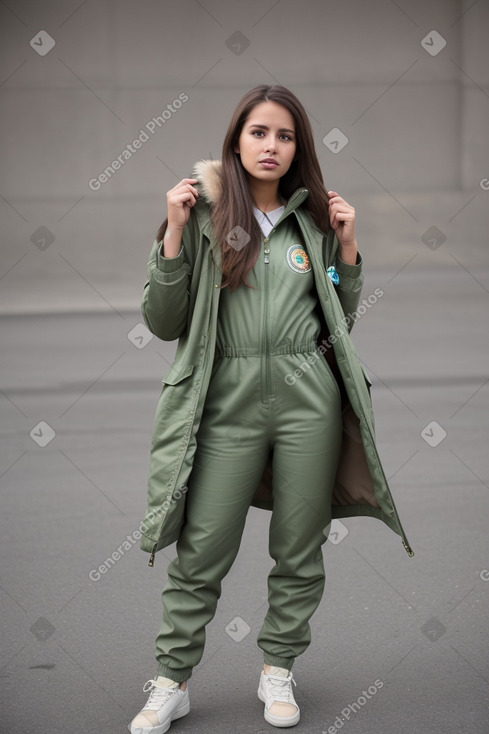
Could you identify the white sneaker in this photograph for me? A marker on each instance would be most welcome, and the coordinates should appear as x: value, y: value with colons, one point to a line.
x: 166, y: 702
x: 275, y: 690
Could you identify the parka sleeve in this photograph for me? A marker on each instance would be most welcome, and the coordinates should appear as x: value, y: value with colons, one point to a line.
x: 349, y: 289
x: 165, y: 300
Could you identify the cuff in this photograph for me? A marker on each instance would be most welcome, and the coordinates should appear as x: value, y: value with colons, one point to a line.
x: 349, y: 271
x: 168, y: 264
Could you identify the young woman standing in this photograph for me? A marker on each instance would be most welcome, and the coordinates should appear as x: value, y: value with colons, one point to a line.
x: 256, y: 271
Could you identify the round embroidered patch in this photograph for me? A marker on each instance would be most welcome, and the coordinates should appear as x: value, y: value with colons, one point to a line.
x: 297, y: 259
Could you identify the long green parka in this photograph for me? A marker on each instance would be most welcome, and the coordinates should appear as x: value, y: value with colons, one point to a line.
x: 181, y: 300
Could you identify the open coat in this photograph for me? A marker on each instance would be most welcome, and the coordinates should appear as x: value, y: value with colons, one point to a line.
x: 180, y: 301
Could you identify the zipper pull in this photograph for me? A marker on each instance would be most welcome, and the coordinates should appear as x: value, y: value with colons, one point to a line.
x: 408, y: 549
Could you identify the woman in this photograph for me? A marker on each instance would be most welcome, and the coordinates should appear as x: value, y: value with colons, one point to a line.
x: 256, y: 271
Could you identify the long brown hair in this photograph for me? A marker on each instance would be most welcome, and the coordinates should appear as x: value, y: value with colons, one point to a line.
x: 235, y: 205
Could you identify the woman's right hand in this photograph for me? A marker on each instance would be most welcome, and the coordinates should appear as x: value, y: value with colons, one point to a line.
x: 180, y: 201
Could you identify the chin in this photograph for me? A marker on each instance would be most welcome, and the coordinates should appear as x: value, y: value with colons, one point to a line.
x: 265, y: 175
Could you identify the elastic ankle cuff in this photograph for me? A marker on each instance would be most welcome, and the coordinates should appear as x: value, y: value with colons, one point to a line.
x: 277, y: 661
x: 178, y: 675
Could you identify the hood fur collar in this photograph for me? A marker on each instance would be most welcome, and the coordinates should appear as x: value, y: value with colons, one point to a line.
x: 208, y: 173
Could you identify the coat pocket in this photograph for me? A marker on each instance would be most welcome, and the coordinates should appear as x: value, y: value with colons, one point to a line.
x: 176, y: 373
x: 174, y: 407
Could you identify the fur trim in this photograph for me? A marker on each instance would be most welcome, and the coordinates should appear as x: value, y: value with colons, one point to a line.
x: 208, y: 173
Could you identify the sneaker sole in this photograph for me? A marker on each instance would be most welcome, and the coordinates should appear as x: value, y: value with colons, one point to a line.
x: 162, y: 728
x: 279, y: 721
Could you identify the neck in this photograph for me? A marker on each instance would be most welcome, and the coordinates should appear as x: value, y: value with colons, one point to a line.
x: 265, y: 194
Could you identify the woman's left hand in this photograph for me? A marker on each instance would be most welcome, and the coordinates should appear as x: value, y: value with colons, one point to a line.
x: 342, y: 220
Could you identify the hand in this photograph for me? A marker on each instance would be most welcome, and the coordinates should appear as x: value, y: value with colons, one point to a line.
x: 342, y: 220
x: 180, y: 201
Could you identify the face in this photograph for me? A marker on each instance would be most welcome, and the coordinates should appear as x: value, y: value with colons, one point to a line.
x: 267, y: 143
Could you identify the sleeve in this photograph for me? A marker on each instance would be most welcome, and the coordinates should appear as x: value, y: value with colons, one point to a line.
x: 168, y: 264
x: 349, y: 289
x: 166, y: 295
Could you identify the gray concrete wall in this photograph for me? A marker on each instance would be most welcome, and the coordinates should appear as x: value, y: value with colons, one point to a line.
x: 416, y: 123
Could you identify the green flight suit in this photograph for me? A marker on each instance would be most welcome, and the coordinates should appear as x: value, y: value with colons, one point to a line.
x: 254, y: 405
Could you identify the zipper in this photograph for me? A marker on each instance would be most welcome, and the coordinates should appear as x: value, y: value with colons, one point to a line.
x: 408, y: 548
x: 151, y: 561
x: 294, y: 202
x: 266, y: 260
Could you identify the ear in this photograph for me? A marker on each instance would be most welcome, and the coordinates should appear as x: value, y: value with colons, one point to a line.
x: 236, y: 149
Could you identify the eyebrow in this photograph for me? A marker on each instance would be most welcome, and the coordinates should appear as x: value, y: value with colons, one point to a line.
x: 264, y: 127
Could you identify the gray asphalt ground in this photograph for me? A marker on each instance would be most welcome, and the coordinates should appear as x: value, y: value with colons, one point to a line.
x: 411, y: 632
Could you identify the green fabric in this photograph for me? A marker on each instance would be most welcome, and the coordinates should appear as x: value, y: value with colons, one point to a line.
x: 181, y: 300
x: 235, y: 436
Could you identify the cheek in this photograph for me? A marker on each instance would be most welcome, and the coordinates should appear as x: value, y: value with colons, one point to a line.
x: 243, y: 143
x: 291, y: 153
x: 247, y: 146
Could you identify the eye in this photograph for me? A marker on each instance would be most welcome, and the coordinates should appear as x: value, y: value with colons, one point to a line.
x: 260, y: 133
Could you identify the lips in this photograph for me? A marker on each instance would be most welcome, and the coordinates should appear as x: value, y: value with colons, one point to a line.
x: 268, y: 163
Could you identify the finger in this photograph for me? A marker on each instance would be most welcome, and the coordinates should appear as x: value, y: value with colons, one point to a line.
x: 340, y: 203
x: 187, y: 191
x: 344, y: 216
x: 187, y: 187
x: 339, y: 207
x: 338, y: 218
x: 183, y: 198
x: 336, y: 198
x: 185, y: 183
x: 342, y: 223
x: 179, y: 191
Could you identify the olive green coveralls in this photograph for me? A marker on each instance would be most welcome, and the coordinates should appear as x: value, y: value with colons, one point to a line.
x: 253, y: 406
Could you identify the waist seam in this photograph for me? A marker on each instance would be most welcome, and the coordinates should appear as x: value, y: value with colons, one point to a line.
x: 310, y: 345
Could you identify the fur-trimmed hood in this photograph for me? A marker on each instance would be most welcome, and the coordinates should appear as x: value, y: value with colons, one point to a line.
x: 208, y: 172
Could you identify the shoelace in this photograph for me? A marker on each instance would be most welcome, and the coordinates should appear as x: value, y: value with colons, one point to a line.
x: 279, y: 687
x: 158, y: 696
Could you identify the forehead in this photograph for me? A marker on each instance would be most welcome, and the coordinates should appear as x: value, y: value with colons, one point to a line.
x: 271, y: 114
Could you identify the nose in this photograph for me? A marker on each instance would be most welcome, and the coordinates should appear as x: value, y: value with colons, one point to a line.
x: 271, y: 145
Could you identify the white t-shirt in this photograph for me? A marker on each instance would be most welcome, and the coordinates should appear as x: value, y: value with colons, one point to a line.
x: 263, y: 219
